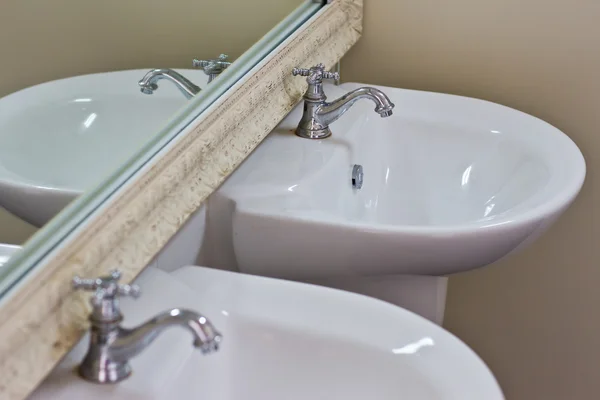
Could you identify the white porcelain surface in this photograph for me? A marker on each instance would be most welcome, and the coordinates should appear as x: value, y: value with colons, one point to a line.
x: 6, y: 251
x: 450, y: 184
x: 284, y: 340
x: 61, y: 137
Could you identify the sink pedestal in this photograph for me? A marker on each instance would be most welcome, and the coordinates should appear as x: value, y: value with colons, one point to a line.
x: 423, y: 295
x: 205, y: 241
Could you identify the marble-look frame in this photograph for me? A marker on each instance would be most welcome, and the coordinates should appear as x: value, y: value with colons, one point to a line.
x: 43, y: 317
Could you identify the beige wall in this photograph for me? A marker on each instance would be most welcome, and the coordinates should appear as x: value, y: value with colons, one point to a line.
x: 533, y: 317
x: 41, y: 40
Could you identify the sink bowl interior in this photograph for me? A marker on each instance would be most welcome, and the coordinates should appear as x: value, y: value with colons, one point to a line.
x: 418, y: 174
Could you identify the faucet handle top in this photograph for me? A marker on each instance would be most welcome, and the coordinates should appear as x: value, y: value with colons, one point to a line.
x: 106, y: 287
x: 316, y: 74
x: 212, y: 66
x: 301, y: 71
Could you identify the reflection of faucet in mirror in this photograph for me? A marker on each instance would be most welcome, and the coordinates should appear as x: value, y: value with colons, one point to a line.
x: 212, y: 68
x: 112, y: 346
x: 148, y: 84
x: 318, y: 114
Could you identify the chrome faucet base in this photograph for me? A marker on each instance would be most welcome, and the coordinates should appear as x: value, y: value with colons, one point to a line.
x: 104, y: 372
x: 99, y: 364
x: 313, y: 133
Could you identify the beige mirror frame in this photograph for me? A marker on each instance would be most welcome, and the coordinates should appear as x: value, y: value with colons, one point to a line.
x: 43, y: 316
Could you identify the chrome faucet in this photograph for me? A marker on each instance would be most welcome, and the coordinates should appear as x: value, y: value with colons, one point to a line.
x: 112, y: 346
x: 149, y: 83
x: 212, y: 68
x: 319, y: 114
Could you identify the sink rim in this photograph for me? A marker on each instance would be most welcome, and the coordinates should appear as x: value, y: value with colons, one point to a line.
x: 561, y: 199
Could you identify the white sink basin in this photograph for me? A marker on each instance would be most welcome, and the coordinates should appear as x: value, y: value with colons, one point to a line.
x: 61, y: 137
x: 283, y: 340
x: 450, y: 184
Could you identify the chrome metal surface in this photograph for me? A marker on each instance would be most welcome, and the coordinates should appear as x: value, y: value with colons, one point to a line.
x: 319, y: 114
x: 357, y: 176
x: 336, y: 69
x: 112, y: 346
x: 212, y: 68
x: 149, y: 83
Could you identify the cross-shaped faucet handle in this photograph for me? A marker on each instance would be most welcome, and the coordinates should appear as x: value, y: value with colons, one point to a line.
x: 316, y: 74
x: 106, y: 287
x: 212, y: 66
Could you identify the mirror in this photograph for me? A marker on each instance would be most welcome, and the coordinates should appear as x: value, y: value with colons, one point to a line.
x: 91, y: 89
x: 68, y: 131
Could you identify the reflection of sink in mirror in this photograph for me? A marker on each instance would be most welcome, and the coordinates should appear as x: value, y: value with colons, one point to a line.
x: 282, y: 340
x: 61, y: 137
x: 449, y: 184
x: 79, y: 144
x: 6, y: 251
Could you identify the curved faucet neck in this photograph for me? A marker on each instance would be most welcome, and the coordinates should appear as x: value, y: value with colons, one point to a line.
x: 148, y: 84
x: 128, y: 343
x: 328, y: 113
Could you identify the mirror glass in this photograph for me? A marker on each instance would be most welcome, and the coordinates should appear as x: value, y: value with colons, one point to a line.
x: 87, y: 88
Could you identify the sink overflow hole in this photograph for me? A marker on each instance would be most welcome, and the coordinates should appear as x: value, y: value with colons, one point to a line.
x: 357, y: 176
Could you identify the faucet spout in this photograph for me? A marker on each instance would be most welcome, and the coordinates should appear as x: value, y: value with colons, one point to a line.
x: 130, y: 342
x: 112, y: 347
x: 149, y: 83
x: 328, y: 113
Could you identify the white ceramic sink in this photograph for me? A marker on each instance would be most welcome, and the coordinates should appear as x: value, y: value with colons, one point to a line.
x: 450, y: 184
x: 283, y: 340
x: 61, y: 137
